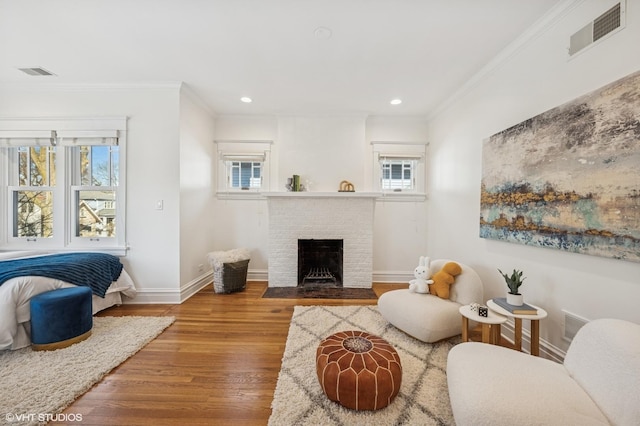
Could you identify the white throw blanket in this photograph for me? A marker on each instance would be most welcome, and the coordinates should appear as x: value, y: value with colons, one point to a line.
x: 218, y: 258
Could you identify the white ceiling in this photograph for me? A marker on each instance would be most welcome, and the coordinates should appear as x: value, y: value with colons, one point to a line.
x: 418, y: 50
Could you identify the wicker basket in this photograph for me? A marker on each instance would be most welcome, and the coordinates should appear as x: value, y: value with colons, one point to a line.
x: 231, y: 277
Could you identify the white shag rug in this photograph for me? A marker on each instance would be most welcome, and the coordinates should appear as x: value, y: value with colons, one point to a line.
x: 298, y: 400
x: 34, y: 384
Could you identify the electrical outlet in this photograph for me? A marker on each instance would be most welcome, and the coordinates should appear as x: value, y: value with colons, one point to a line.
x: 201, y: 268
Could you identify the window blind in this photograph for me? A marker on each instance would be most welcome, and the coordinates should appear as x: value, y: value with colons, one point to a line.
x: 28, y: 138
x: 87, y: 137
x: 244, y: 157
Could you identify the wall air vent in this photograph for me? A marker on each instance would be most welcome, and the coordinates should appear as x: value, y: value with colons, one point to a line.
x: 572, y: 323
x: 607, y: 23
x: 36, y: 71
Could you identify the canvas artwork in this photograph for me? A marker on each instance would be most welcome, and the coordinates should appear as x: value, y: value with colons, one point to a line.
x: 569, y: 178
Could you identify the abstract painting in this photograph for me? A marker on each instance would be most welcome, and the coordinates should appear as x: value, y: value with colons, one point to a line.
x: 569, y: 178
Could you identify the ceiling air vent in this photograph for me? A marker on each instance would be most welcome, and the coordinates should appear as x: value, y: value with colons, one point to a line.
x: 37, y: 71
x: 603, y: 25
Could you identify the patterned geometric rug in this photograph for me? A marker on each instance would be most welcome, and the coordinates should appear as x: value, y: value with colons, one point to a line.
x: 299, y: 400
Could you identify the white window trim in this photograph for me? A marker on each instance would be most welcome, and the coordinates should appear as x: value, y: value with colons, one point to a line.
x: 64, y: 132
x: 242, y: 150
x: 400, y: 150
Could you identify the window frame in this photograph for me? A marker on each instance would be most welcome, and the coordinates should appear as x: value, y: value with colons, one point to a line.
x: 72, y: 133
x: 414, y: 153
x: 242, y: 151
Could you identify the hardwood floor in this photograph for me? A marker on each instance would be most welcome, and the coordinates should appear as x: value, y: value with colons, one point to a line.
x: 217, y: 364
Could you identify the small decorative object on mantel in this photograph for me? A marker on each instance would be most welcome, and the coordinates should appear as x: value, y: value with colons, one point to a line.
x: 513, y: 282
x: 293, y: 184
x: 346, y: 186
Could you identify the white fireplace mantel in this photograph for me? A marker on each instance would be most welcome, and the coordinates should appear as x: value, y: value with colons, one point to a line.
x: 346, y: 216
x: 311, y: 194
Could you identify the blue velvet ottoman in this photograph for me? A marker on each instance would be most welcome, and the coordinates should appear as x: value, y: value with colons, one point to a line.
x: 60, y: 318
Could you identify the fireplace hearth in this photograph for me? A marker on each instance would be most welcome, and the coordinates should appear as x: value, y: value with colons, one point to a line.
x: 320, y: 262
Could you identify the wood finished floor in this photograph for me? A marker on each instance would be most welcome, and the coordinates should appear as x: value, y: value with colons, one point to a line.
x: 217, y: 364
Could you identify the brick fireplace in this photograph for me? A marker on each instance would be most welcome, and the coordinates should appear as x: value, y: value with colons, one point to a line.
x: 295, y: 216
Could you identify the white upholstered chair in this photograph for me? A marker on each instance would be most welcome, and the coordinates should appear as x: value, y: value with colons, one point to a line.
x: 427, y: 317
x: 597, y: 384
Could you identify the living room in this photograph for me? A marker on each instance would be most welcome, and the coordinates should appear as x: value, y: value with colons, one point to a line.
x: 172, y: 155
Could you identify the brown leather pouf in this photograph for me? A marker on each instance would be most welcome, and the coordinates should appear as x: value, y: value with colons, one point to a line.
x: 358, y: 370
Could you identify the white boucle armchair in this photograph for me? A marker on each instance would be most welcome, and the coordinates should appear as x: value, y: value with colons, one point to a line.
x: 598, y: 383
x: 427, y: 317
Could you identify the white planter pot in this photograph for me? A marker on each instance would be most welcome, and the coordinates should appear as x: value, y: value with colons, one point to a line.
x: 515, y: 299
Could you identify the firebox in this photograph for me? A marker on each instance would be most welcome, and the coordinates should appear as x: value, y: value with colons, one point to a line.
x: 320, y: 262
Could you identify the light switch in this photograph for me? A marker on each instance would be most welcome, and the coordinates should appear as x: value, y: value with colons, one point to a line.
x: 159, y: 205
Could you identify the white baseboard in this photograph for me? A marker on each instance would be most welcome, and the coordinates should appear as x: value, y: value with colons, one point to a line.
x: 258, y: 275
x: 195, y: 286
x: 155, y: 296
x: 173, y: 296
x: 158, y: 296
x: 400, y: 277
x: 547, y: 350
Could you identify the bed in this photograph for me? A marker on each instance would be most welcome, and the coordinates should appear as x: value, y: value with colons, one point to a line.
x: 16, y: 292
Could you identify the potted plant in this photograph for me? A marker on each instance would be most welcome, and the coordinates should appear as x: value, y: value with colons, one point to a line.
x: 514, y: 282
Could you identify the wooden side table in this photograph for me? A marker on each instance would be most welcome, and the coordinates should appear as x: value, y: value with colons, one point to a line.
x: 490, y: 324
x: 517, y: 319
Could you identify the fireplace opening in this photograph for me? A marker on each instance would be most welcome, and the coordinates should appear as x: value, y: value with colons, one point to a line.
x: 320, y: 263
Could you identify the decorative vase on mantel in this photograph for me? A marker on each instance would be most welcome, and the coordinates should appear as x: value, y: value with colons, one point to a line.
x: 513, y: 283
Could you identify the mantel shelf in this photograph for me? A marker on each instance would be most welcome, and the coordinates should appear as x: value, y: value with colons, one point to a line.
x: 311, y: 194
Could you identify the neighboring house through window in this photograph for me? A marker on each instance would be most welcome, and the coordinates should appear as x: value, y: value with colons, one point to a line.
x: 65, y: 191
x: 243, y: 167
x: 399, y: 168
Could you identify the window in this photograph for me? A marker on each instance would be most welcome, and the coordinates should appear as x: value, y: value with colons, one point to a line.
x: 399, y: 169
x: 94, y: 192
x: 397, y: 174
x: 245, y: 174
x: 31, y: 200
x: 243, y: 168
x: 64, y: 192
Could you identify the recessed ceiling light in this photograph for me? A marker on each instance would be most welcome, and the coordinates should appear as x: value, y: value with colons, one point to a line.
x: 396, y: 101
x: 246, y: 100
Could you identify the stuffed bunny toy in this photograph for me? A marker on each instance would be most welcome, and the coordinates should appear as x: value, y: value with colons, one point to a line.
x: 422, y: 273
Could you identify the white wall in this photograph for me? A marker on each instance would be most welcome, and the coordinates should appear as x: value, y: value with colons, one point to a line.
x: 324, y: 150
x: 244, y: 222
x: 399, y: 226
x: 155, y: 127
x: 532, y: 79
x: 197, y: 187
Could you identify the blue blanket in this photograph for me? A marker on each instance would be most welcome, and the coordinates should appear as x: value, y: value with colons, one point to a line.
x: 94, y: 270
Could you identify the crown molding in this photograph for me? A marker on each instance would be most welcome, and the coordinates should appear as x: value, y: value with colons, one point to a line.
x: 555, y: 14
x: 161, y: 85
x: 193, y: 96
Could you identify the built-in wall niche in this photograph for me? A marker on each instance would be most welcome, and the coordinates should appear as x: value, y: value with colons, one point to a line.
x: 320, y: 262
